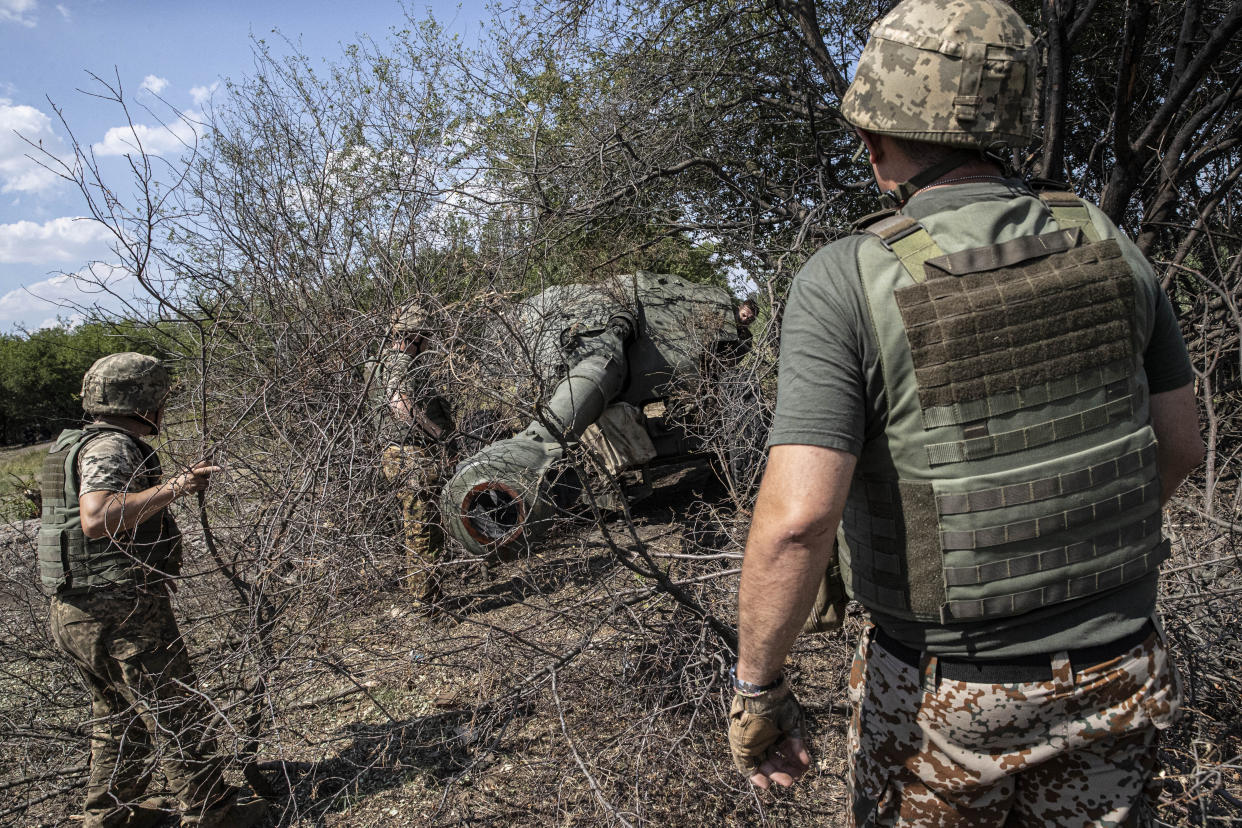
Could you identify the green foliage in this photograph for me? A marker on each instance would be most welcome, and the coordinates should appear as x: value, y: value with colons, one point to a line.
x: 41, y: 375
x: 19, y: 469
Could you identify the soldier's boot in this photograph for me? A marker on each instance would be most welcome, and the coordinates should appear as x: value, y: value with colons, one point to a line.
x: 149, y: 813
x: 152, y: 812
x: 233, y: 812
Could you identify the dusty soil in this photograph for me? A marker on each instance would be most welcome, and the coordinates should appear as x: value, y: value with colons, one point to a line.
x: 557, y: 689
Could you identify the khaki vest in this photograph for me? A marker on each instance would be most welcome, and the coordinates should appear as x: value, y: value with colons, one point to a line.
x: 71, y: 563
x: 1018, y: 465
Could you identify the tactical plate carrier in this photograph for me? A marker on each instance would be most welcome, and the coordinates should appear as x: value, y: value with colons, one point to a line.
x: 71, y: 563
x: 1018, y: 466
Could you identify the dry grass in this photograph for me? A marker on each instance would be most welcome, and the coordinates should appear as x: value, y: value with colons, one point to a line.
x: 19, y: 468
x: 509, y: 711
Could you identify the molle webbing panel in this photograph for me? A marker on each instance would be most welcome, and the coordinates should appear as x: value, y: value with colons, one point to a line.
x: 1146, y: 531
x: 1046, y: 525
x: 980, y: 334
x: 899, y: 523
x: 1020, y: 494
x: 1062, y: 428
x: 1067, y: 589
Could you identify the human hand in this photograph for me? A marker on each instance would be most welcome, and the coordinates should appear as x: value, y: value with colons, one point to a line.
x: 765, y: 736
x: 195, y: 479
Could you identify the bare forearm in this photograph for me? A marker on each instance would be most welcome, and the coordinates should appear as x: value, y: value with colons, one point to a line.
x: 789, y: 548
x: 115, y: 513
x: 1180, y: 449
x: 780, y: 577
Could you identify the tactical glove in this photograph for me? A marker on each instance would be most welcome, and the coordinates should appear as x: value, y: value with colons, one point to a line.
x: 756, y: 723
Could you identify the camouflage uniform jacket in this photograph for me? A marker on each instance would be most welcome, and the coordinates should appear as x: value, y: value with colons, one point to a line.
x: 404, y: 373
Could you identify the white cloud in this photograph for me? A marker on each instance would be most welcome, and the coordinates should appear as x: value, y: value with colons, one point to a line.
x: 154, y: 84
x: 59, y: 240
x: 202, y: 94
x: 19, y: 11
x: 70, y: 322
x: 64, y: 12
x: 67, y: 293
x: 172, y: 138
x: 17, y: 171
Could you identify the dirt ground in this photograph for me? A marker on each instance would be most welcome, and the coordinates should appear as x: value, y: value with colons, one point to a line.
x: 518, y: 709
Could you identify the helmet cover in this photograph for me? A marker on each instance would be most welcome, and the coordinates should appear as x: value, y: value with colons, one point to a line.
x: 410, y: 318
x: 955, y: 72
x: 125, y: 383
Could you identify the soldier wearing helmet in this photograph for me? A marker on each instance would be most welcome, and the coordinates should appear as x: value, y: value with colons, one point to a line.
x: 417, y: 425
x: 985, y: 400
x: 109, y: 552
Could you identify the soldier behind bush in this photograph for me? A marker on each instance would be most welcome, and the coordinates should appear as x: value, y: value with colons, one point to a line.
x: 417, y: 424
x: 108, y: 553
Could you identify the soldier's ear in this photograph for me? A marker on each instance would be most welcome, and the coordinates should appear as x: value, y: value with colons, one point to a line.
x: 876, y: 148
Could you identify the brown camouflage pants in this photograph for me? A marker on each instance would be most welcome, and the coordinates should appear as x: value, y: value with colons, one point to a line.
x: 131, y: 657
x: 1074, y: 751
x: 417, y: 474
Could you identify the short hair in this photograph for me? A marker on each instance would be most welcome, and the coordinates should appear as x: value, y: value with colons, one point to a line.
x: 923, y: 152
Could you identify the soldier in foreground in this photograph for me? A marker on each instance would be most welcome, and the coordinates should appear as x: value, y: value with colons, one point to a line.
x: 417, y: 423
x: 108, y: 553
x: 988, y: 392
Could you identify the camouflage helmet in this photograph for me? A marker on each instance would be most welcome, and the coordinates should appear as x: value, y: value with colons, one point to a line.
x: 125, y: 383
x: 411, y: 317
x: 956, y: 72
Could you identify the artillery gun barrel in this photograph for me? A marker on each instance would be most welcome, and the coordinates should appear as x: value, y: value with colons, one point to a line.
x: 507, y: 492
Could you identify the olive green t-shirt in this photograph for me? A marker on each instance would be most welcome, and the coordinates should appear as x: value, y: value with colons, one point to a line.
x: 831, y: 394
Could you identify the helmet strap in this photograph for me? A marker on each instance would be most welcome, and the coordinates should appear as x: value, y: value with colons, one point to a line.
x: 154, y: 424
x: 906, y: 189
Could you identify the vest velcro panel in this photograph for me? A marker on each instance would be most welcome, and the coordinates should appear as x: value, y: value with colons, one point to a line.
x: 1031, y: 324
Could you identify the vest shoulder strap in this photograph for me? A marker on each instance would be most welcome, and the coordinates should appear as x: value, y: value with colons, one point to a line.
x: 909, y: 241
x: 1070, y: 211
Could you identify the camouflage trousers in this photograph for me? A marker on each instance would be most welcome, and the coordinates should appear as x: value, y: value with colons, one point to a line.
x: 1078, y: 750
x: 417, y: 474
x: 143, y: 704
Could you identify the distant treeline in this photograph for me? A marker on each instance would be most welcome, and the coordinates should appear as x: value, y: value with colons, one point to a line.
x: 41, y: 376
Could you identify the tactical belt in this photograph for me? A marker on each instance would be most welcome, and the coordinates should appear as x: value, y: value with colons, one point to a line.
x: 1037, y: 667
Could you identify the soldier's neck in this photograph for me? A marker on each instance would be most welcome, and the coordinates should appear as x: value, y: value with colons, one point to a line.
x: 135, y: 426
x: 900, y: 169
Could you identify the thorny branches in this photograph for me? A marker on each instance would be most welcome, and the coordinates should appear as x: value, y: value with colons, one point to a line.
x: 564, y: 684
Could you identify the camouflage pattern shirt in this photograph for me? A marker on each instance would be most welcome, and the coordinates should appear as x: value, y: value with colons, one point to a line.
x: 405, y: 373
x: 114, y: 463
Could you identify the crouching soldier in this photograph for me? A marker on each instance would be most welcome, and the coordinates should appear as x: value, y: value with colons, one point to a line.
x: 108, y: 551
x: 417, y: 424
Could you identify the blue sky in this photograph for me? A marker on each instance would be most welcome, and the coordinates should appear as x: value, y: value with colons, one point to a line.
x: 177, y: 50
